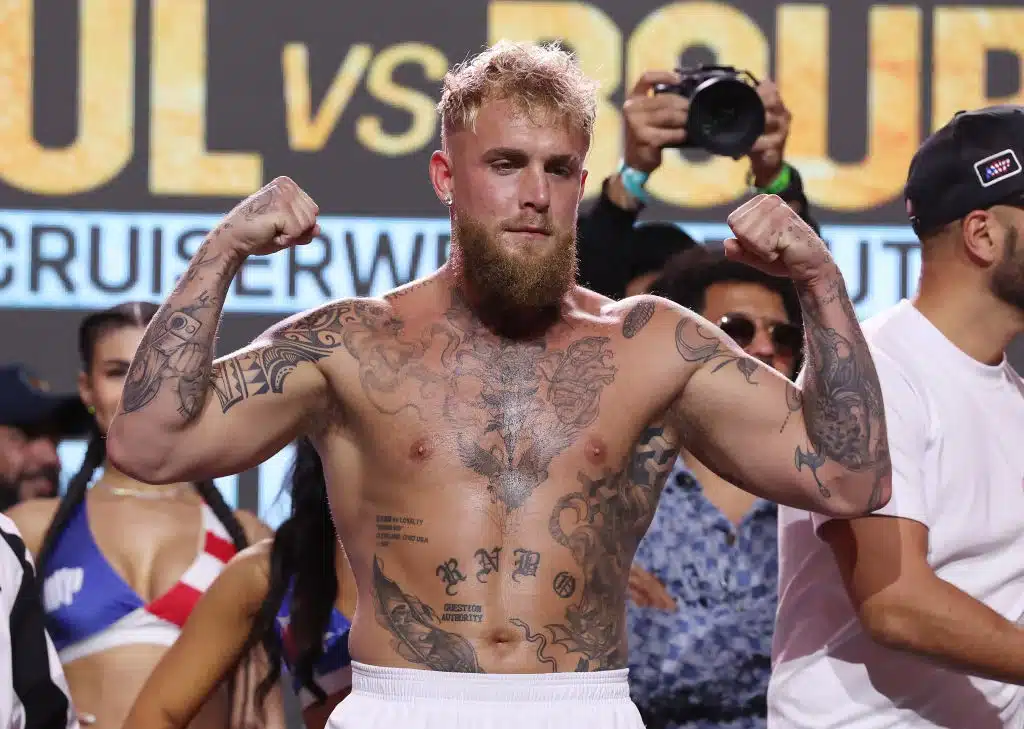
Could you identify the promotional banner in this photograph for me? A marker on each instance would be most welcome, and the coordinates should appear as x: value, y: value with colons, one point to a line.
x: 128, y: 128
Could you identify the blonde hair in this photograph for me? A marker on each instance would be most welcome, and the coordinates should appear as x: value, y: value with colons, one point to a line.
x: 536, y: 78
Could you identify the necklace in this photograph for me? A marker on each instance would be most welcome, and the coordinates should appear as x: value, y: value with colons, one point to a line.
x: 147, y: 493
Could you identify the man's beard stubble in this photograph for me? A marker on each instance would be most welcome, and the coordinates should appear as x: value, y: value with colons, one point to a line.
x: 504, y: 283
x: 1008, y: 275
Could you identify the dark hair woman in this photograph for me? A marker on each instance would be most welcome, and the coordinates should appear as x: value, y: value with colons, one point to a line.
x: 123, y: 563
x: 295, y: 595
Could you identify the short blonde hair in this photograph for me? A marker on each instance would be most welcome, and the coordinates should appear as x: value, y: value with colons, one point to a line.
x: 537, y: 78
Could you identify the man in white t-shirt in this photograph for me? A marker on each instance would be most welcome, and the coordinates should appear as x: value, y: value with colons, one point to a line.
x: 909, y: 617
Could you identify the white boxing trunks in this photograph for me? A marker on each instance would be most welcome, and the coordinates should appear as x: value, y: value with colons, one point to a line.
x: 405, y: 698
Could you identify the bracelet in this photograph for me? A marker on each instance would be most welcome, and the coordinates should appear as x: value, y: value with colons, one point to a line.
x: 780, y: 183
x: 633, y: 181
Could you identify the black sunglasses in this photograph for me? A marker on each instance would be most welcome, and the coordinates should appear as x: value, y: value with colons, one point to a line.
x: 786, y: 338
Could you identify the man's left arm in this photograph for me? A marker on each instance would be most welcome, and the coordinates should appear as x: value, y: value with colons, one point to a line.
x: 820, y: 447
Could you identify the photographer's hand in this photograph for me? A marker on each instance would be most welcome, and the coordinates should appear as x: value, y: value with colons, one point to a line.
x: 651, y: 122
x: 766, y: 157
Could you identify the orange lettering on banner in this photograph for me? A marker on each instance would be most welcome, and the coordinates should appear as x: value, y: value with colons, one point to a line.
x: 179, y: 161
x: 598, y: 45
x: 657, y: 43
x: 381, y: 84
x: 309, y: 131
x: 962, y: 39
x: 104, y: 142
x: 893, y: 104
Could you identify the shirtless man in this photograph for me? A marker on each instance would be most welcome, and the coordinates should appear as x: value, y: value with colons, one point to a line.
x: 495, y: 437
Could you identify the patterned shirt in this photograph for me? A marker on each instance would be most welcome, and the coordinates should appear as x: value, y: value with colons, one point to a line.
x: 705, y: 666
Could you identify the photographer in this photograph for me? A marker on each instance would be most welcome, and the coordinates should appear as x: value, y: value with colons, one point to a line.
x: 609, y: 255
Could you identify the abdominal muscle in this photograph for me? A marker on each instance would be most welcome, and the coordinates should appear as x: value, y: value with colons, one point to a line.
x: 444, y: 600
x: 106, y: 685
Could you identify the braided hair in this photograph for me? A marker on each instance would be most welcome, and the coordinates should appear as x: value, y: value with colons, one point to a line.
x: 91, y: 330
x: 303, y: 557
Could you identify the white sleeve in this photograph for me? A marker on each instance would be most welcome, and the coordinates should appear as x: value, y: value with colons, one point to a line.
x: 907, y: 420
x: 41, y: 696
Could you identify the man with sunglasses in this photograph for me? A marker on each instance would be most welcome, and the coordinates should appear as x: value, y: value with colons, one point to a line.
x: 912, y: 617
x: 703, y: 584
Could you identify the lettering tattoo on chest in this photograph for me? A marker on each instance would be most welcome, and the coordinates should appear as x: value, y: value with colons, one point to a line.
x: 416, y: 634
x: 601, y: 524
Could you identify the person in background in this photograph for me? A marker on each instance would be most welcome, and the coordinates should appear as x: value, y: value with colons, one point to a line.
x: 703, y: 584
x: 612, y: 258
x: 122, y: 563
x: 913, y: 617
x: 33, y: 421
x: 33, y: 690
x: 294, y: 594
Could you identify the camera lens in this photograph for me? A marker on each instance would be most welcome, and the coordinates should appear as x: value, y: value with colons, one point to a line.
x: 726, y: 117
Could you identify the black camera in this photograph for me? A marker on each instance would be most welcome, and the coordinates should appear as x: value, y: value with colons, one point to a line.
x: 726, y: 113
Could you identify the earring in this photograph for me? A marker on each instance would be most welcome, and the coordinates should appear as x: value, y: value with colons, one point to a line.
x: 447, y: 199
x: 91, y: 409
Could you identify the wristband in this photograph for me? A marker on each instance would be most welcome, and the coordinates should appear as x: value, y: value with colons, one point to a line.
x: 633, y: 181
x: 780, y: 183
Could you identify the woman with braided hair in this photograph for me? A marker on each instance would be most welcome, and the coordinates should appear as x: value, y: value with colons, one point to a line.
x: 123, y: 563
x: 294, y: 595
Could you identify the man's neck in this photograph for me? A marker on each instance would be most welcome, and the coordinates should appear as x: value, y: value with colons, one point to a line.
x: 974, y: 320
x: 508, y: 322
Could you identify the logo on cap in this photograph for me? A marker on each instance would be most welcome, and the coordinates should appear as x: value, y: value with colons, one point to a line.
x: 997, y: 167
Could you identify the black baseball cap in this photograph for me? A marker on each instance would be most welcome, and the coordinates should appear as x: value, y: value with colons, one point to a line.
x: 972, y: 163
x: 26, y: 402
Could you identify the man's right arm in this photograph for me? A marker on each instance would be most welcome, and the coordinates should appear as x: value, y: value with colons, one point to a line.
x: 883, y: 558
x: 183, y: 416
x: 904, y: 605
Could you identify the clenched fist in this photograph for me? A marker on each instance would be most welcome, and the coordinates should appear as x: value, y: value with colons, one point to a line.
x: 278, y: 216
x: 772, y: 237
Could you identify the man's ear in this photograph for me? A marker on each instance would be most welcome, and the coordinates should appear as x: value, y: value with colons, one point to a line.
x: 441, y: 178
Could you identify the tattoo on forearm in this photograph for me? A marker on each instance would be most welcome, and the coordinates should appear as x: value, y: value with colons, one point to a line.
x: 842, y: 399
x: 698, y: 344
x: 450, y: 575
x: 601, y: 525
x: 177, y: 346
x: 526, y: 564
x: 414, y: 628
x: 637, y: 318
x: 488, y: 561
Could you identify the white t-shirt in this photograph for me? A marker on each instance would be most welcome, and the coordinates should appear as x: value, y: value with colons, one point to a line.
x: 956, y: 438
x: 33, y: 692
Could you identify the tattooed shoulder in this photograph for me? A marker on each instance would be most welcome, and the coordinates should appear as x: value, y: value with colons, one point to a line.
x: 637, y: 318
